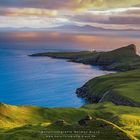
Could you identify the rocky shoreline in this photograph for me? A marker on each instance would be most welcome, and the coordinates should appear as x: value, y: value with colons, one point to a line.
x: 108, y: 96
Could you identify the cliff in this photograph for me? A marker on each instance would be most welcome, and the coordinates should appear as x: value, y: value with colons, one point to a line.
x: 119, y: 88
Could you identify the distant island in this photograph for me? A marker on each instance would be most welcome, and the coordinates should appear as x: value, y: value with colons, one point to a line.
x: 113, y: 111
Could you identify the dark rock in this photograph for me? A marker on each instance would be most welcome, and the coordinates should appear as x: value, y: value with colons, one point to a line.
x: 85, y: 120
x: 60, y: 122
x: 83, y: 93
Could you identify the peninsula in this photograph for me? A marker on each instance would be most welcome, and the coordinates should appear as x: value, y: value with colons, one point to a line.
x: 122, y: 59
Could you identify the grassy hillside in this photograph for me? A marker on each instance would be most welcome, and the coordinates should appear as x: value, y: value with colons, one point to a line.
x: 34, y: 132
x: 24, y: 122
x: 121, y: 59
x: 120, y: 88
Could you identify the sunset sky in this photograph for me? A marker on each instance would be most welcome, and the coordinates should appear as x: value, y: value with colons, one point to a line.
x: 107, y: 14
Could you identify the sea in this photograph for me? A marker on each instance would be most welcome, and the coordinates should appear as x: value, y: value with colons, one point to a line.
x: 44, y: 81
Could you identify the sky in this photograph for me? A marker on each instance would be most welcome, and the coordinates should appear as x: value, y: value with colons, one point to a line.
x: 106, y: 14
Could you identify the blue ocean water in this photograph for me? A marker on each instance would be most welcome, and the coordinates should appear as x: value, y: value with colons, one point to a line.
x: 41, y: 81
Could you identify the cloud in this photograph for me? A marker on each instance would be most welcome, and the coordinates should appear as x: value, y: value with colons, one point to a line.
x: 35, y: 22
x: 69, y: 4
x: 27, y: 12
x: 107, y: 19
x: 48, y: 4
x: 119, y: 18
x: 109, y: 14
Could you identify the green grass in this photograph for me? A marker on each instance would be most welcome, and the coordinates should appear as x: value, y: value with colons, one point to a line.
x: 130, y: 90
x: 105, y: 129
x: 123, y: 85
x: 113, y: 122
x: 126, y: 117
x: 15, y: 116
